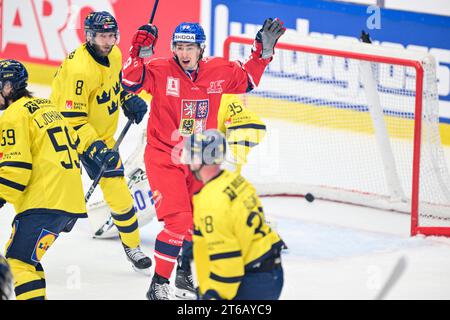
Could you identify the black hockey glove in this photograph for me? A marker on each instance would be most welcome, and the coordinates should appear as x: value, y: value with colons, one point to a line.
x: 144, y: 41
x: 268, y: 36
x: 99, y: 153
x: 365, y: 37
x: 134, y: 107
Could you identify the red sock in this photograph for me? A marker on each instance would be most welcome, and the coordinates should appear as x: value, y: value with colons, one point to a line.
x: 167, y: 248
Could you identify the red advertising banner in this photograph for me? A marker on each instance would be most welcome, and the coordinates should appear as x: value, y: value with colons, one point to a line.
x: 45, y: 31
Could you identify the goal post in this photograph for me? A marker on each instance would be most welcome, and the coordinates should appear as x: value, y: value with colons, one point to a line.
x: 354, y: 123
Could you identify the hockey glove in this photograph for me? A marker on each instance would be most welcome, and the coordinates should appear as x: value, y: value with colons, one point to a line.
x: 365, y: 37
x: 134, y: 107
x: 99, y: 153
x: 144, y: 41
x: 267, y: 37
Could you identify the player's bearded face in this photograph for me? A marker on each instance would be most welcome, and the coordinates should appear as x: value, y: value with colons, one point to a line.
x: 104, y: 42
x: 188, y: 55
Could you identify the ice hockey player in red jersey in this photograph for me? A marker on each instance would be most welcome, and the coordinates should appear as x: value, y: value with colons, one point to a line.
x: 186, y: 92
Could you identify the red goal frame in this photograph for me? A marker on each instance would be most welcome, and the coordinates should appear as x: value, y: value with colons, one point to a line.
x: 415, y: 228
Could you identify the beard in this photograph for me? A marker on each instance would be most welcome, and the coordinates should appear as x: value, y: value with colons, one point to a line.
x: 101, y: 51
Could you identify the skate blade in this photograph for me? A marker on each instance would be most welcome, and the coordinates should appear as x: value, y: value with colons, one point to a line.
x: 146, y: 272
x: 185, y: 294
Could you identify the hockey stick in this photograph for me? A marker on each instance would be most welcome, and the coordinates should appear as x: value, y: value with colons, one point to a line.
x: 103, y: 168
x: 105, y: 227
x: 153, y: 11
x: 148, y: 51
x: 393, y: 278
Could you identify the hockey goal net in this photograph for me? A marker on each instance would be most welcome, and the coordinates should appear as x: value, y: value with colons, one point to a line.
x: 354, y: 123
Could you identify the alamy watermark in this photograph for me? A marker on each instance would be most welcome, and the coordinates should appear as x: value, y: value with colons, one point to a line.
x: 374, y: 20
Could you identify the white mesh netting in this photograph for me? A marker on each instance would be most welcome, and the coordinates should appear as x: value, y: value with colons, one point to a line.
x: 343, y: 128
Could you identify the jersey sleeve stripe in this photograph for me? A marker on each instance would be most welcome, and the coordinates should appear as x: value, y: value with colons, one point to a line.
x: 244, y: 143
x: 12, y: 184
x: 250, y: 83
x: 275, y: 247
x: 133, y: 86
x: 74, y: 114
x: 77, y: 142
x: 37, y: 298
x: 76, y: 128
x: 128, y: 229
x: 225, y: 255
x: 16, y: 164
x: 212, y: 294
x: 218, y: 278
x: 29, y: 286
x: 166, y: 248
x: 55, y: 211
x: 124, y: 217
x: 248, y: 126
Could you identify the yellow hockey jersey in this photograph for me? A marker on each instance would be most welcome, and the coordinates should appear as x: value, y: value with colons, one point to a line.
x: 39, y: 166
x: 230, y: 233
x: 87, y: 93
x: 242, y: 127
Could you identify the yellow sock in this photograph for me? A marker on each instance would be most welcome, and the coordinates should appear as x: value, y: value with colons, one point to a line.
x: 29, y: 283
x: 128, y: 228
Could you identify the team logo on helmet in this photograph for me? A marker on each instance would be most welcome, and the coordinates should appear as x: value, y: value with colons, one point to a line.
x: 14, y: 72
x: 101, y: 21
x: 184, y: 37
x: 189, y: 32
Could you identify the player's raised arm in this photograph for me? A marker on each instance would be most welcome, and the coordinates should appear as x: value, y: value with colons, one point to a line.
x: 262, y: 53
x: 134, y: 73
x: 267, y: 37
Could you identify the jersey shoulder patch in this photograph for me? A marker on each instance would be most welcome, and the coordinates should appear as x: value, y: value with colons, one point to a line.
x: 37, y: 103
x: 31, y: 106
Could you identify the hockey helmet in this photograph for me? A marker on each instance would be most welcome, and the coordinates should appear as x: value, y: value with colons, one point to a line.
x: 14, y: 72
x: 189, y: 32
x: 208, y: 147
x: 101, y: 21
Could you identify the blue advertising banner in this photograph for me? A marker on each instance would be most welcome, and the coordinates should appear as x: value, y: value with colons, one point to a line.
x: 332, y: 20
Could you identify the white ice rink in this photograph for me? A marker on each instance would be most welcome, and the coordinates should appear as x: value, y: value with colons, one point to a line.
x: 336, y: 251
